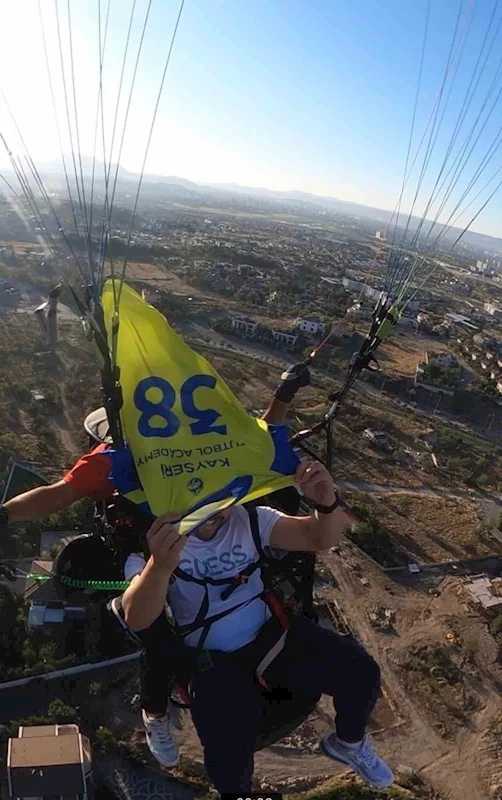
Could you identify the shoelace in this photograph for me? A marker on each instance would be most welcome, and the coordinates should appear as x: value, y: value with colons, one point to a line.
x: 365, y: 755
x: 162, y: 728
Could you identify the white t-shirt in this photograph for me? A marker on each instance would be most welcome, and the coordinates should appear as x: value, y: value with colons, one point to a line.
x: 231, y: 549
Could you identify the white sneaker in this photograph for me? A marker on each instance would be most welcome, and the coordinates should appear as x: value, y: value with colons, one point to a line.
x: 362, y: 759
x: 160, y: 741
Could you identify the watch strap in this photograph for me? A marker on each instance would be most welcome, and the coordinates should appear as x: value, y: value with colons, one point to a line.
x: 326, y: 509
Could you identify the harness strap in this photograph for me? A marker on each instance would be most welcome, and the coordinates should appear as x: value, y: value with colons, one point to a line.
x: 185, y: 630
x: 232, y: 583
x: 203, y: 622
x: 255, y: 529
x: 269, y: 657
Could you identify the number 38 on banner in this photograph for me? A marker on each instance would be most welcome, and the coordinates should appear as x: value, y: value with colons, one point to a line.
x: 162, y: 408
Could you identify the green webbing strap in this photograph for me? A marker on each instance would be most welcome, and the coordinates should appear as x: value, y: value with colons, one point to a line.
x: 80, y: 584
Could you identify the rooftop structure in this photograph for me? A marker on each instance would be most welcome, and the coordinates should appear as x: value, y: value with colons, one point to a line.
x: 461, y: 319
x: 49, y: 760
x: 485, y: 593
x: 362, y: 289
x: 332, y: 281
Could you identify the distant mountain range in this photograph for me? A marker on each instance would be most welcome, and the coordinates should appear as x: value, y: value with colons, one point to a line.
x: 378, y: 215
x: 177, y: 187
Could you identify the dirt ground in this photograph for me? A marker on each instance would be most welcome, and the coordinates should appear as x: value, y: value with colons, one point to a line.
x: 400, y: 354
x: 446, y: 753
x: 436, y: 528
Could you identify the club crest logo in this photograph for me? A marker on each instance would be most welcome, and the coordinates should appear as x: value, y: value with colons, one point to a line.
x: 195, y: 485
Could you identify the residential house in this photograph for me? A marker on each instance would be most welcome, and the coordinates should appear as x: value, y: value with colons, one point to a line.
x: 312, y: 325
x: 245, y: 325
x: 49, y: 761
x: 46, y: 609
x: 378, y: 438
x: 362, y: 289
x: 152, y: 296
x: 444, y: 359
x: 485, y: 594
x: 285, y: 338
x: 493, y: 310
x: 481, y: 267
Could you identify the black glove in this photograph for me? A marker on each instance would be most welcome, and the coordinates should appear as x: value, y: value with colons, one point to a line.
x: 293, y: 379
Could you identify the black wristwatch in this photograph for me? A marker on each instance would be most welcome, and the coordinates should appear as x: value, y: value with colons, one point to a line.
x: 4, y: 517
x: 326, y: 509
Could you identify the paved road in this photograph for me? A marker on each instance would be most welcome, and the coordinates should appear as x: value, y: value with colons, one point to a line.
x: 253, y: 350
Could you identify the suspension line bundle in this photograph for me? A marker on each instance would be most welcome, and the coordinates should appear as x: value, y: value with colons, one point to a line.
x: 452, y: 174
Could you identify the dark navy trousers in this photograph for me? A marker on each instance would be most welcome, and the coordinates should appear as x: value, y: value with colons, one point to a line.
x: 227, y: 706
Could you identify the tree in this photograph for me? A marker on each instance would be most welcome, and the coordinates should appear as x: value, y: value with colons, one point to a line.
x: 371, y: 536
x: 132, y: 752
x: 61, y: 713
x: 104, y: 741
x: 484, y: 386
x: 12, y: 631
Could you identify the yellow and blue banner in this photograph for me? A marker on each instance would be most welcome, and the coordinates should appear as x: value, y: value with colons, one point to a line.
x: 191, y: 440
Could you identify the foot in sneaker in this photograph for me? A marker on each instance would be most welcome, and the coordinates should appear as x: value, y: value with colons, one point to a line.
x: 361, y: 757
x: 160, y: 740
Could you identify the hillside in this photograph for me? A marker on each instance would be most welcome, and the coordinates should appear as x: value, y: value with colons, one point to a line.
x: 42, y: 402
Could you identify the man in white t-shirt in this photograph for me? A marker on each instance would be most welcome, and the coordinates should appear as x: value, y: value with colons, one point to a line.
x: 225, y: 702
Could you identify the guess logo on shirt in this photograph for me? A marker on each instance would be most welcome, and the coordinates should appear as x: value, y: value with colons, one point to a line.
x: 233, y: 560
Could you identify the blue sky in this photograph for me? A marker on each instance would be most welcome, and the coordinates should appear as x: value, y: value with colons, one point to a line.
x: 315, y: 95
